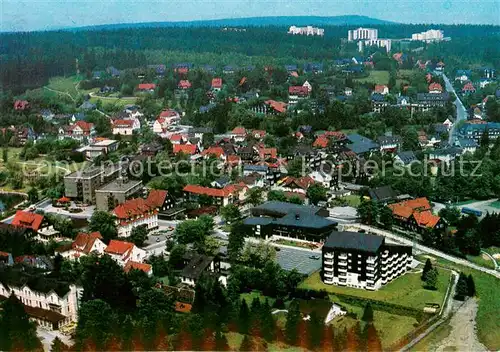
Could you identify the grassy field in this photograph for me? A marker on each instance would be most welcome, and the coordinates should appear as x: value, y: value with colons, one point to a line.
x: 352, y: 200
x: 492, y: 250
x: 495, y: 204
x: 406, y: 290
x: 487, y: 287
x: 248, y: 297
x: 375, y: 77
x: 431, y: 341
x: 234, y: 340
x: 65, y: 84
x: 121, y: 102
x: 482, y: 260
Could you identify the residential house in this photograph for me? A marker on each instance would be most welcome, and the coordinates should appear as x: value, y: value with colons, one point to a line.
x: 381, y: 89
x: 463, y: 75
x: 468, y: 88
x: 274, y: 107
x: 239, y: 134
x: 361, y: 145
x: 6, y: 259
x: 125, y: 127
x: 426, y: 101
x: 134, y: 213
x: 467, y: 145
x: 100, y: 146
x: 151, y: 149
x: 405, y: 158
x: 435, y: 88
x: 216, y: 84
x: 476, y: 130
x: 49, y: 303
x: 379, y: 103
x: 31, y: 221
x: 295, y: 184
x: 87, y: 105
x: 21, y: 105
x: 228, y: 69
x: 122, y: 252
x: 187, y: 149
x: 219, y: 196
x: 446, y: 155
x: 83, y: 245
x: 133, y: 265
x: 80, y: 130
x: 184, y: 84
x: 297, y: 93
x: 389, y: 144
x: 383, y: 194
x: 196, y: 264
x: 146, y: 87
x: 416, y: 215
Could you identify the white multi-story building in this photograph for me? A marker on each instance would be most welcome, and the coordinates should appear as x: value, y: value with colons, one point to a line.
x: 50, y: 308
x: 362, y: 33
x: 84, y: 244
x: 308, y: 30
x: 363, y: 261
x: 381, y: 43
x: 429, y: 36
x: 123, y: 252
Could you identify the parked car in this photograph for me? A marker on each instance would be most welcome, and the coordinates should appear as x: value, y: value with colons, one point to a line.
x: 315, y: 257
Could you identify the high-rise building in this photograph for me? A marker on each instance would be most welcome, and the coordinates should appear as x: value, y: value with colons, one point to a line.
x: 362, y: 33
x: 429, y: 36
x: 362, y: 260
x: 308, y: 30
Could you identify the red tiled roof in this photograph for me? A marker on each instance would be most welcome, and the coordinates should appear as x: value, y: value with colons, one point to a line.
x: 21, y: 104
x: 279, y: 106
x: 86, y: 127
x: 119, y: 247
x: 435, y: 86
x: 84, y: 241
x: 184, y: 84
x: 27, y: 220
x: 156, y: 198
x: 294, y: 74
x: 182, y: 70
x: 146, y: 86
x: 64, y: 200
x: 123, y: 123
x: 169, y: 113
x: 189, y: 149
x: 302, y: 182
x: 468, y: 87
x: 131, y: 208
x: 379, y: 88
x: 406, y: 208
x: 266, y: 153
x: 215, y: 151
x: 233, y: 159
x: 298, y: 90
x: 321, y: 142
x: 239, y: 131
x: 211, y: 192
x: 242, y: 81
x: 217, y: 83
x: 138, y: 266
x: 426, y: 219
x: 176, y: 137
x: 4, y: 254
x: 182, y: 307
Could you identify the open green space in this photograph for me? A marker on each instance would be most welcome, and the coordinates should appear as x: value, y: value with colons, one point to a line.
x: 352, y: 200
x: 406, y: 290
x: 65, y: 84
x: 482, y: 260
x: 432, y: 340
x: 249, y: 297
x: 487, y: 288
x: 495, y: 204
x: 375, y: 77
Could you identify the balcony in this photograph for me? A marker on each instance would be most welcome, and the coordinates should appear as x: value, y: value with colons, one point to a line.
x: 328, y: 274
x: 370, y: 274
x: 343, y: 256
x: 328, y: 262
x: 385, y: 255
x: 342, y: 263
x: 328, y: 255
x: 328, y: 268
x: 371, y: 260
x: 342, y: 270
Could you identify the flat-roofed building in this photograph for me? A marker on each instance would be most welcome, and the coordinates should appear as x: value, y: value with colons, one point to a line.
x: 81, y: 185
x: 116, y: 192
x: 362, y: 260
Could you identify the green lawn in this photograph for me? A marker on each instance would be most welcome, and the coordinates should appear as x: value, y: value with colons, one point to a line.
x: 431, y: 341
x: 495, y: 204
x: 248, y: 297
x: 64, y: 84
x: 375, y: 77
x: 482, y: 260
x: 406, y: 290
x: 121, y: 102
x: 492, y: 250
x: 487, y: 287
x: 352, y: 200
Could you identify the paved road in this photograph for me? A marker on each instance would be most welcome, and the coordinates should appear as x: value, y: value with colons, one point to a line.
x: 461, y: 112
x: 47, y: 337
x: 428, y: 250
x: 493, y: 259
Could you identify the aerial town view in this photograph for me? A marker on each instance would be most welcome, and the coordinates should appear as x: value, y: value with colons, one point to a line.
x: 249, y: 175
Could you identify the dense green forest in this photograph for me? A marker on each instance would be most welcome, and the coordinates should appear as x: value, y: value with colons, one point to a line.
x: 28, y: 60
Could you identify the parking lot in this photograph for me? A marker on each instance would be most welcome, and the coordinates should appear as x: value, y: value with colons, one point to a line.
x: 289, y: 259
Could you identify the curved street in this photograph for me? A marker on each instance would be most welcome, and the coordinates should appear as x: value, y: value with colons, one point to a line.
x: 461, y: 111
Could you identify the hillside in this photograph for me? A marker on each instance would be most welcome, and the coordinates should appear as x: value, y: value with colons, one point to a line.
x: 348, y: 20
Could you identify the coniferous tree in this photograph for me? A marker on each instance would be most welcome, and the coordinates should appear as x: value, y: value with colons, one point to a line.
x: 427, y: 267
x: 314, y: 331
x: 368, y: 313
x: 292, y: 322
x: 17, y: 332
x: 327, y: 339
x: 244, y: 318
x: 373, y: 342
x: 471, y: 286
x: 267, y: 321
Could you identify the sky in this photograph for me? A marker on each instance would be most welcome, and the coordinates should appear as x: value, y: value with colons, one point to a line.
x: 27, y: 15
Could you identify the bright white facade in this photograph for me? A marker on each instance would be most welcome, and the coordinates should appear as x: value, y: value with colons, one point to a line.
x: 429, y: 36
x: 148, y: 220
x: 362, y: 33
x: 308, y: 30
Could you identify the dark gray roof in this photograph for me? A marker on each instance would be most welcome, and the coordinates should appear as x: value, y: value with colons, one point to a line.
x: 383, y: 193
x: 389, y: 139
x: 196, y: 266
x: 360, y: 144
x: 354, y: 240
x: 433, y: 96
x: 407, y: 157
x: 288, y: 214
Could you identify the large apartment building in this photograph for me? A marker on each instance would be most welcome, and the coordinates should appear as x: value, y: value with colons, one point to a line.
x: 429, y: 36
x: 362, y: 260
x: 362, y: 33
x: 82, y: 185
x: 50, y: 304
x: 116, y: 192
x: 302, y: 222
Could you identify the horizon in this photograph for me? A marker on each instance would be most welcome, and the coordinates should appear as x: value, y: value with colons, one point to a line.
x: 18, y: 16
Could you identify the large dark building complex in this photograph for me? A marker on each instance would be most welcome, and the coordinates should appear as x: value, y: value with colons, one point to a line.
x: 291, y: 220
x: 362, y: 260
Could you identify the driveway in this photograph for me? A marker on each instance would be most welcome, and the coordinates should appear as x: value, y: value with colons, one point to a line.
x: 461, y: 112
x: 47, y: 337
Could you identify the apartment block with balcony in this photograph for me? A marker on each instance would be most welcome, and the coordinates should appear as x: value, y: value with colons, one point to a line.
x: 116, y: 192
x: 82, y: 185
x: 362, y: 261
